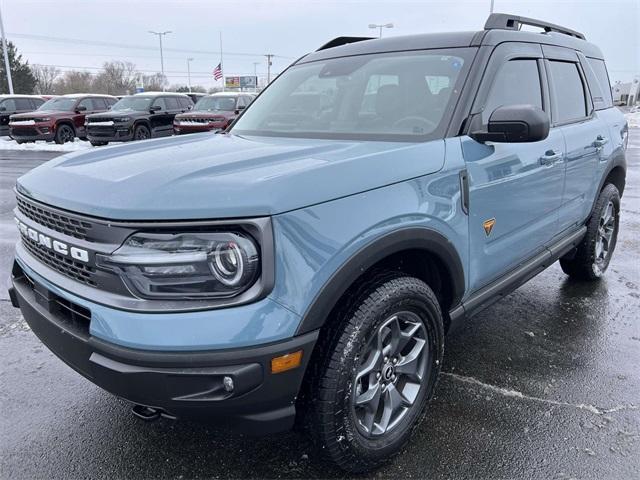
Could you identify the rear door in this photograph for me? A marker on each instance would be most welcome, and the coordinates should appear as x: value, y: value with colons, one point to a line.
x: 158, y: 118
x: 515, y: 189
x: 586, y: 136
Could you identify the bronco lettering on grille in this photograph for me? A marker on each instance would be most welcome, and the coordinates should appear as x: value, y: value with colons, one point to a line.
x: 52, y: 244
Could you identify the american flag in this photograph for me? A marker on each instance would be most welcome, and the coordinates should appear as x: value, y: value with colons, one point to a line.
x: 217, y: 72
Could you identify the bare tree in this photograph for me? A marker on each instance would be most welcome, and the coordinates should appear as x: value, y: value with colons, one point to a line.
x: 116, y: 78
x: 45, y: 78
x: 155, y: 82
x: 73, y: 81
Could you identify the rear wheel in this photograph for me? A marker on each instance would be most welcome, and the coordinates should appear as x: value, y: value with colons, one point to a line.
x: 64, y: 134
x: 594, y: 253
x: 382, y: 358
x: 141, y: 132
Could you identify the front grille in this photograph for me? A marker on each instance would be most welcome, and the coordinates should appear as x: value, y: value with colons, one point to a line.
x: 100, y: 131
x: 72, y: 314
x: 54, y: 220
x: 66, y: 266
x: 24, y: 131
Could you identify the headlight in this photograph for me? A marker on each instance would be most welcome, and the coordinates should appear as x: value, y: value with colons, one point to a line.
x: 186, y: 265
x: 41, y: 119
x: 122, y: 119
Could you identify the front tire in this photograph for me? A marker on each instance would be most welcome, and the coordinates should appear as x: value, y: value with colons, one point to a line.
x: 141, y: 132
x: 64, y: 134
x: 594, y: 253
x: 379, y: 367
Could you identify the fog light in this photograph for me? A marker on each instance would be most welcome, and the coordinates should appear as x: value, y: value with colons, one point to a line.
x: 227, y: 383
x: 286, y: 362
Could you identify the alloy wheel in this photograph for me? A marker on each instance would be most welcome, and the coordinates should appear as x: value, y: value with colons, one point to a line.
x: 605, y: 237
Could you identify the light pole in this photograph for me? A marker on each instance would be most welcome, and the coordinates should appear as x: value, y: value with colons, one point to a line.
x: 160, y: 35
x: 6, y: 56
x: 189, y: 60
x: 380, y: 27
x: 269, y: 63
x: 491, y: 7
x: 255, y: 73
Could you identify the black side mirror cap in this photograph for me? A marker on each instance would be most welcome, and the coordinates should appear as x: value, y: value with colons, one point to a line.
x: 154, y: 109
x: 515, y: 124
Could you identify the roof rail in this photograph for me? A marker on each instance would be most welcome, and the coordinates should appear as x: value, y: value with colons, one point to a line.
x: 336, y: 42
x: 505, y: 21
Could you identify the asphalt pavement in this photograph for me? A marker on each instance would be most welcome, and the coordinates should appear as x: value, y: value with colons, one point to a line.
x: 544, y: 384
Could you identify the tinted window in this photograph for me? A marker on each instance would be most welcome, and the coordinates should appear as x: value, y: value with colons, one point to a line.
x: 86, y: 103
x: 99, y: 104
x: 569, y: 99
x: 60, y: 104
x: 603, y: 87
x: 9, y: 105
x: 185, y: 102
x: 517, y: 82
x: 160, y: 103
x: 172, y: 103
x: 111, y: 101
x: 23, y: 104
x: 36, y: 102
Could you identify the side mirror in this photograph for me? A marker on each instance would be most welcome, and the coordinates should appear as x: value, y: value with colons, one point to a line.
x: 81, y: 108
x: 515, y: 124
x: 154, y: 109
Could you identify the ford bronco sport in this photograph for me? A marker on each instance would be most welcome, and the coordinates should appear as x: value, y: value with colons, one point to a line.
x: 308, y: 262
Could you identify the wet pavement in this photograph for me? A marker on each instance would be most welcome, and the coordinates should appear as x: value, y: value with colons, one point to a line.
x: 545, y: 384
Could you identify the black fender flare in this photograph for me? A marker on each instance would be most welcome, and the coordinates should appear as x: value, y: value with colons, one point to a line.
x: 619, y: 160
x: 141, y: 121
x: 414, y: 238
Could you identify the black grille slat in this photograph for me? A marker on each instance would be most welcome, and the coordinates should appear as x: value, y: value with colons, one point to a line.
x: 66, y: 266
x: 55, y: 221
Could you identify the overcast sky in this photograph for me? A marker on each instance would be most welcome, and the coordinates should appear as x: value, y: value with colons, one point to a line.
x: 285, y: 28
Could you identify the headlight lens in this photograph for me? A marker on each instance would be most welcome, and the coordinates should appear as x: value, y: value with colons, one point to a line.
x: 41, y: 119
x: 186, y: 265
x: 122, y: 119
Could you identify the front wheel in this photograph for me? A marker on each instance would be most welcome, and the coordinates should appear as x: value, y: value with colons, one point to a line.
x: 141, y: 132
x: 64, y: 134
x: 594, y: 253
x: 383, y: 356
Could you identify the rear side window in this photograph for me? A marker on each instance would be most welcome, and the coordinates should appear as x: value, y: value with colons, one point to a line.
x: 99, y: 104
x: 603, y: 87
x: 517, y: 82
x: 185, y: 102
x: 172, y: 103
x: 569, y: 100
x: 23, y: 104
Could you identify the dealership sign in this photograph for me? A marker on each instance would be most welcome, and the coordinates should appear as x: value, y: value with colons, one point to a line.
x: 245, y: 81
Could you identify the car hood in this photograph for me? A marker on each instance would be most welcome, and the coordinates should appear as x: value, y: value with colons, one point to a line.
x: 38, y: 114
x: 203, y: 176
x: 110, y: 114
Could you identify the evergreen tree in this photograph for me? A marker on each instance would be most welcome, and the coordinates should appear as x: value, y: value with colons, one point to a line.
x: 23, y: 80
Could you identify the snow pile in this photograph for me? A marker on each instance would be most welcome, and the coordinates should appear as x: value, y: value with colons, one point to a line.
x: 633, y: 119
x: 7, y: 143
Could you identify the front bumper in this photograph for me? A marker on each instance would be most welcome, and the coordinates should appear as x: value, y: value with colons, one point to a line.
x: 32, y: 133
x: 116, y: 133
x: 184, y: 384
x: 179, y: 129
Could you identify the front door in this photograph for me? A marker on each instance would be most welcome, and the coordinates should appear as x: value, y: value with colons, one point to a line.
x: 515, y: 189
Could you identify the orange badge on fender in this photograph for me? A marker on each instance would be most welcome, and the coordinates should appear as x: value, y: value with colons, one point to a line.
x: 488, y: 226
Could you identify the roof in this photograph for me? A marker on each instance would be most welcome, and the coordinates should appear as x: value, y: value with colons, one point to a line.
x: 20, y: 95
x: 78, y: 95
x: 493, y: 35
x: 230, y: 94
x: 155, y: 94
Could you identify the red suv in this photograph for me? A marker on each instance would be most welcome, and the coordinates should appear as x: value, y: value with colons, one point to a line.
x: 213, y: 112
x: 60, y: 119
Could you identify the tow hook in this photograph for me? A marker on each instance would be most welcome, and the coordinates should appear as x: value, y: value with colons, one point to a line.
x: 149, y: 414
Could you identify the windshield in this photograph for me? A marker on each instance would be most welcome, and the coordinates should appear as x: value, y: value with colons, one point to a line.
x: 397, y: 96
x: 59, y: 104
x: 226, y: 104
x: 137, y: 104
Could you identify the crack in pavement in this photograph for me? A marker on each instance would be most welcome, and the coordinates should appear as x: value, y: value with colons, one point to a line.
x: 515, y: 394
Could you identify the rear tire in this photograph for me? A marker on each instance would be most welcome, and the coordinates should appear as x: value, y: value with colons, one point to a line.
x: 594, y: 253
x: 378, y: 366
x: 64, y: 133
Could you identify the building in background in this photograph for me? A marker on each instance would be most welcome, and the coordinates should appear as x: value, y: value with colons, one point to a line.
x: 626, y: 93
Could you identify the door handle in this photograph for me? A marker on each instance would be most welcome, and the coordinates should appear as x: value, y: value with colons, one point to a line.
x: 550, y: 157
x: 600, y: 141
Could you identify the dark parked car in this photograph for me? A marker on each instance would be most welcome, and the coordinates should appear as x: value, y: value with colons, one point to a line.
x: 215, y: 112
x: 60, y: 119
x: 11, y: 104
x: 137, y: 117
x: 195, y: 96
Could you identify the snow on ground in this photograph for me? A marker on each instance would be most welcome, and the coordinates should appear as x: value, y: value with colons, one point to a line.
x: 633, y: 119
x: 7, y: 143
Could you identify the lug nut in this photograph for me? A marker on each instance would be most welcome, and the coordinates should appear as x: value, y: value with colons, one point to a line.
x: 395, y: 360
x: 378, y: 375
x: 386, y: 359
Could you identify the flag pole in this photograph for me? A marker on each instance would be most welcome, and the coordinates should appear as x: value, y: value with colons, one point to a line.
x: 221, y: 63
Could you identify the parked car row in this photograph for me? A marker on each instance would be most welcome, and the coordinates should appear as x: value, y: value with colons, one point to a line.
x: 101, y: 119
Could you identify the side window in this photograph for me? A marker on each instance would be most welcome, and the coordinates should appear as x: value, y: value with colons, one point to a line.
x: 99, y: 104
x: 86, y: 103
x: 240, y: 103
x: 9, y: 105
x: 36, y: 102
x: 23, y: 104
x: 172, y: 103
x: 517, y: 82
x: 603, y: 88
x: 160, y: 103
x: 569, y: 95
x: 185, y: 102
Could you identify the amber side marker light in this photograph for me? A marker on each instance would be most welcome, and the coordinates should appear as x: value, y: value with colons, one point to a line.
x: 286, y: 362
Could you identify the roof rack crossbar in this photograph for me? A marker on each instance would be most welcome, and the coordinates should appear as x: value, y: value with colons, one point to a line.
x: 336, y: 42
x: 505, y: 21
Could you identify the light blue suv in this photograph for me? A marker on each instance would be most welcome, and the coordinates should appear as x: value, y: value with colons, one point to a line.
x: 307, y: 263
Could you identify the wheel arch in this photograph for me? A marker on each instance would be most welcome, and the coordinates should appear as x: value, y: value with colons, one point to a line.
x: 69, y: 123
x: 417, y: 251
